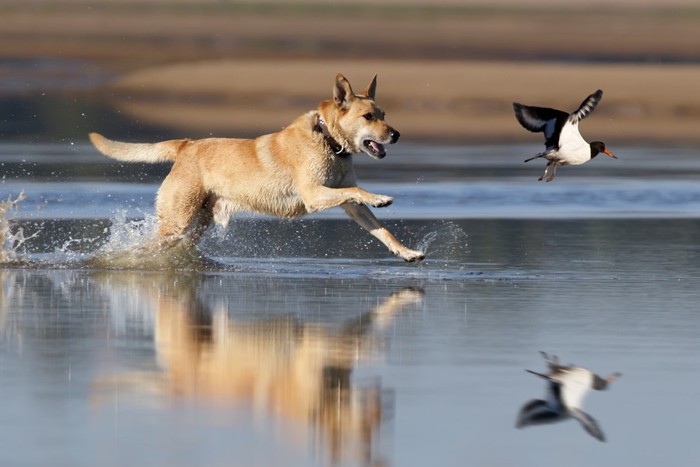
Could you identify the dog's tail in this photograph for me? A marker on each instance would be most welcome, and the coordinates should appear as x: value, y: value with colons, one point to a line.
x: 138, y: 152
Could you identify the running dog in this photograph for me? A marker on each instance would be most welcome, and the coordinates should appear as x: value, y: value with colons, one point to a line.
x: 304, y: 168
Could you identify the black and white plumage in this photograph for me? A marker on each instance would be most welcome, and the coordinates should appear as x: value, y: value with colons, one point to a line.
x: 566, y: 388
x: 564, y: 145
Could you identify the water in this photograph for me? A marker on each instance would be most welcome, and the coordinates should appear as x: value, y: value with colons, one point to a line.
x: 306, y: 343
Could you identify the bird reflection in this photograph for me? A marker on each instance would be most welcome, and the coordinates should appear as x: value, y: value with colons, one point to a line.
x: 566, y: 388
x: 280, y: 366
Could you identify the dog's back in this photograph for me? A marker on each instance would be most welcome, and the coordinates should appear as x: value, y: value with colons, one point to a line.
x: 138, y: 152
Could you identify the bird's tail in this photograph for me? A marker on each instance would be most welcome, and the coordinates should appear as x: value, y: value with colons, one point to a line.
x: 541, y: 375
x: 542, y: 154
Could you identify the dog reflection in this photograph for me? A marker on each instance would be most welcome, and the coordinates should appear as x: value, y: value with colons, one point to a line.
x: 567, y: 385
x: 280, y: 366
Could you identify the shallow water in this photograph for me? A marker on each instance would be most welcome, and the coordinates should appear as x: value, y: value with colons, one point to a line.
x: 306, y: 343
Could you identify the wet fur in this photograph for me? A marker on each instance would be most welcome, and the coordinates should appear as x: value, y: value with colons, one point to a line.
x: 286, y: 174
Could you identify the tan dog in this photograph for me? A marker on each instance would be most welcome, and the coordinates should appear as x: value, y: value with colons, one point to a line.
x: 305, y: 168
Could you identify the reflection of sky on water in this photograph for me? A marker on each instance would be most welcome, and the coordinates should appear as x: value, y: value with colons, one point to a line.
x: 90, y: 349
x: 427, y: 183
x: 453, y: 200
x: 245, y: 355
x: 613, y: 294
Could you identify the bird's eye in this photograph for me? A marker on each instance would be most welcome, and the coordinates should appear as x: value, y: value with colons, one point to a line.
x: 368, y: 116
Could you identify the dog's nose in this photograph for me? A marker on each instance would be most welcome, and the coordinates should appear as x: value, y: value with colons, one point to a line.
x: 394, y: 135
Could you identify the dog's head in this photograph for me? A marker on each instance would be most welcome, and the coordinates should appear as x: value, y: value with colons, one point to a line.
x: 359, y: 120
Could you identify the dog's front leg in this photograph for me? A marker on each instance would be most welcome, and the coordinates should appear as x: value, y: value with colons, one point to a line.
x: 320, y: 198
x: 363, y: 216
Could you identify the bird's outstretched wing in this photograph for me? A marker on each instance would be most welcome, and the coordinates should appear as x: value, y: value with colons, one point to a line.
x: 541, y: 120
x: 586, y: 107
x: 536, y: 412
x: 588, y: 423
x: 535, y: 119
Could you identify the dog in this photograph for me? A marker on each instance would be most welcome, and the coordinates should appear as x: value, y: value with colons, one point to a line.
x: 304, y: 168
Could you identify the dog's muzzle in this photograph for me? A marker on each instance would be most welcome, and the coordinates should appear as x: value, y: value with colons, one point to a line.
x: 376, y: 149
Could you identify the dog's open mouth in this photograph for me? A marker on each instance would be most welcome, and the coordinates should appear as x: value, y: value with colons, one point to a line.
x: 374, y: 149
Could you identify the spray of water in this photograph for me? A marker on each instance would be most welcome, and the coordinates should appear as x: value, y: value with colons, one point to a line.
x: 133, y: 244
x: 12, y: 240
x: 445, y: 239
x: 426, y: 241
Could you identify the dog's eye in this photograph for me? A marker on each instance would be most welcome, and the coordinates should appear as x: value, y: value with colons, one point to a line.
x: 368, y: 116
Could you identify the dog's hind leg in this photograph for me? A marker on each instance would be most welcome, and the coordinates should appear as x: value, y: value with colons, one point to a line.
x: 181, y: 207
x: 363, y: 216
x: 200, y: 222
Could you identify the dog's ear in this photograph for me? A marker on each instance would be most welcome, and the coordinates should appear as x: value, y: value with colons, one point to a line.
x: 342, y: 91
x: 371, y: 88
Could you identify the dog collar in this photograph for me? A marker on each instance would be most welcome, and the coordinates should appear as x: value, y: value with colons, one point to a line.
x: 337, y: 148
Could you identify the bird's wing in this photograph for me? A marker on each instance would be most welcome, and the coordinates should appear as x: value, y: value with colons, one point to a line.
x: 586, y: 107
x: 588, y: 423
x: 526, y: 410
x: 536, y: 412
x: 541, y: 120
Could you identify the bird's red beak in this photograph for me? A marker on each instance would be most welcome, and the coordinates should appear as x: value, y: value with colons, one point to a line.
x: 609, y: 153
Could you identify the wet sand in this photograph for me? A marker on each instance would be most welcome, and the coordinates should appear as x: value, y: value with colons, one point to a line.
x: 448, y: 71
x: 439, y: 100
x: 132, y: 33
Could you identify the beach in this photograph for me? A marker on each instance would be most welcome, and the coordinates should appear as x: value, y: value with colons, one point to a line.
x: 277, y: 342
x: 448, y: 71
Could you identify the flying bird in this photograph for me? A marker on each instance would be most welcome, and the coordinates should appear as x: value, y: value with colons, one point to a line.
x: 566, y: 388
x: 564, y: 144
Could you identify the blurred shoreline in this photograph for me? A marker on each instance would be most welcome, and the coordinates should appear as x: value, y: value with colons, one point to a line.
x: 448, y: 101
x: 448, y: 70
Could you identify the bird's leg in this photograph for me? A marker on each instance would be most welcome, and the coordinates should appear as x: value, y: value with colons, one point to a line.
x: 546, y: 168
x: 554, y: 172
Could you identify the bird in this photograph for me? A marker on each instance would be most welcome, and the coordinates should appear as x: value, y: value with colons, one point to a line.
x: 566, y: 388
x: 564, y: 145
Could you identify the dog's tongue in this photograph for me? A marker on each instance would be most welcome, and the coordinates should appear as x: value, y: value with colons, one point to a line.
x: 376, y: 147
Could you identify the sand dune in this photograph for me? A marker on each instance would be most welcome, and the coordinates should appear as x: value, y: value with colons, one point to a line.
x: 448, y: 69
x: 426, y: 99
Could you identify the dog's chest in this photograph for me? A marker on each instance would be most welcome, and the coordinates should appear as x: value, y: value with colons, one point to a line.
x: 335, y: 171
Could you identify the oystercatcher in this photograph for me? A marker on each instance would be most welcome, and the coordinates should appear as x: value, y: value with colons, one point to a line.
x: 566, y: 388
x: 564, y: 144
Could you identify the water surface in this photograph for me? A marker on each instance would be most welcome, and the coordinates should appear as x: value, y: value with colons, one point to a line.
x: 306, y: 343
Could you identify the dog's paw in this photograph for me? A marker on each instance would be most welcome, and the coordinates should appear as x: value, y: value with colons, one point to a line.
x: 380, y: 201
x: 411, y: 256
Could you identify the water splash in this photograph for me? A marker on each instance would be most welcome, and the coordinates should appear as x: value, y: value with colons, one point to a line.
x: 133, y: 244
x: 445, y: 239
x: 12, y: 242
x: 426, y: 241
